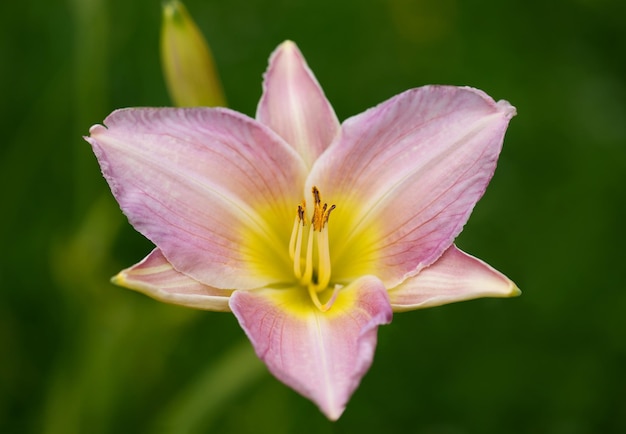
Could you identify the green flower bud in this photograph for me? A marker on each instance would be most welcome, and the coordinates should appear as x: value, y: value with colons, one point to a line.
x: 188, y: 66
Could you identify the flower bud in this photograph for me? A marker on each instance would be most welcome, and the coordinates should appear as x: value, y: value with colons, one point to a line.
x: 188, y: 66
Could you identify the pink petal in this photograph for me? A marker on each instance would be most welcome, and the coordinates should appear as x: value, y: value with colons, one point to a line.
x: 294, y: 105
x: 194, y: 180
x: 156, y: 277
x: 456, y: 276
x: 411, y: 170
x: 322, y: 355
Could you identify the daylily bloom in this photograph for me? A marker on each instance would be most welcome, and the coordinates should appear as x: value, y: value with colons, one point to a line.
x: 310, y: 231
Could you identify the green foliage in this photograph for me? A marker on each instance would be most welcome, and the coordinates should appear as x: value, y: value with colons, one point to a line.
x: 80, y: 355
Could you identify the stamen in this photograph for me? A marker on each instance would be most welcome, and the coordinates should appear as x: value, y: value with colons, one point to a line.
x: 321, y: 213
x: 316, y: 196
x: 317, y: 270
x: 301, y: 215
x: 307, y: 277
x: 323, y: 266
x: 295, y: 242
x: 292, y: 240
x: 318, y: 212
x: 316, y: 300
x: 327, y: 214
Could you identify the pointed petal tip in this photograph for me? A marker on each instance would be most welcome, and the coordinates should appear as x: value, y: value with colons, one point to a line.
x: 334, y: 414
x: 456, y: 276
x: 322, y: 356
x: 294, y: 105
x: 118, y: 279
x: 515, y: 291
x: 287, y: 44
x: 121, y: 280
x: 155, y: 277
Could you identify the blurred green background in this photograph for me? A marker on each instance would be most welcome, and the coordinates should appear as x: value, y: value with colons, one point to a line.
x: 79, y: 355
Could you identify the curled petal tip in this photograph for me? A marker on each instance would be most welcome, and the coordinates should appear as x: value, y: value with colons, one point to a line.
x: 507, y: 108
x: 95, y: 128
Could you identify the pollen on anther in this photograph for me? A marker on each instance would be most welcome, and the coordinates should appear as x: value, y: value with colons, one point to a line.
x: 320, y: 212
x: 301, y: 213
x: 327, y: 213
x: 316, y: 196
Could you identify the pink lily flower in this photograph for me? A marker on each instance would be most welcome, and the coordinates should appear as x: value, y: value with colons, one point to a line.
x: 310, y: 231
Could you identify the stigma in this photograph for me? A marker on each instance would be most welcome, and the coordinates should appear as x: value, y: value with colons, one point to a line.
x: 309, y: 248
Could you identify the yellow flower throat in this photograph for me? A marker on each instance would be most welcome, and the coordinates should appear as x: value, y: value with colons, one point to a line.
x: 311, y: 266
